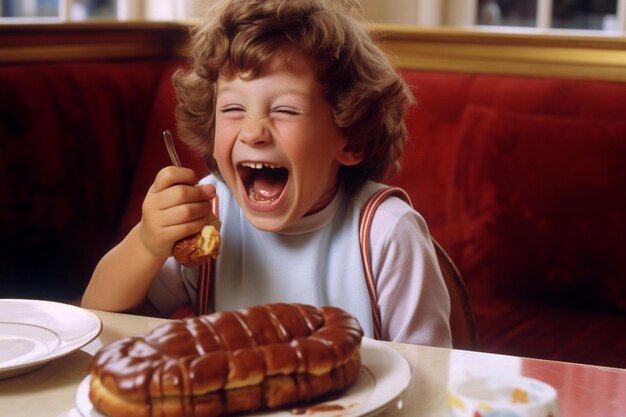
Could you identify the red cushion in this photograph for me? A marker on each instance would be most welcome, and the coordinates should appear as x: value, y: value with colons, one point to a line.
x: 435, y: 121
x: 536, y: 208
x: 71, y: 137
x: 154, y: 154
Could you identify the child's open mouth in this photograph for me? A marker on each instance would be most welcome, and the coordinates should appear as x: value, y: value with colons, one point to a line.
x: 264, y: 182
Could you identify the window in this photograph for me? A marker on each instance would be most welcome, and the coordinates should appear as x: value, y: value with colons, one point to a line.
x: 507, y: 13
x: 57, y: 9
x: 76, y: 10
x: 607, y: 15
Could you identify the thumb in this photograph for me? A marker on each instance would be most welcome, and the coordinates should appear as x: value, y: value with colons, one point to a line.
x: 209, y: 190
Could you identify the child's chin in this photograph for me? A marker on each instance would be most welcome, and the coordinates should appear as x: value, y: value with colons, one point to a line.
x: 268, y: 224
x: 270, y: 221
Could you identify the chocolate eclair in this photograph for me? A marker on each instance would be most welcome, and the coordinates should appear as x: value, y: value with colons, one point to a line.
x: 257, y: 358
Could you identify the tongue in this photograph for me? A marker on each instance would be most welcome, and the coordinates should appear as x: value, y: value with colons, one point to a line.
x: 268, y: 185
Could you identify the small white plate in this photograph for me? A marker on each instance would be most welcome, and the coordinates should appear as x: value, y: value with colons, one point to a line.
x: 34, y: 332
x: 385, y: 375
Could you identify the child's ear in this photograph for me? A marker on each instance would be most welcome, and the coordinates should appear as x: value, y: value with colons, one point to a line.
x: 347, y: 156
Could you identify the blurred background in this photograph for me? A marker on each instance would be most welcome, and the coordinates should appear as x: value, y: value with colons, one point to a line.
x: 603, y: 15
x: 519, y: 128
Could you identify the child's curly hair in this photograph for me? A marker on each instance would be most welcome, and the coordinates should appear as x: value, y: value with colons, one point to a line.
x: 368, y: 96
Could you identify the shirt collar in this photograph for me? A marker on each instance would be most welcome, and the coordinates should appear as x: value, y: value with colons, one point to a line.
x: 318, y: 220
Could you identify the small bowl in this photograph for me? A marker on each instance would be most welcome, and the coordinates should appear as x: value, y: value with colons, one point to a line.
x: 502, y: 397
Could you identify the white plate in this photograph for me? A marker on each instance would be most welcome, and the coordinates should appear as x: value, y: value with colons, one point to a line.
x: 34, y: 332
x: 385, y: 374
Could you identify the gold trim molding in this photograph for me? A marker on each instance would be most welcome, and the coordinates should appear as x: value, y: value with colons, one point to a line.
x: 490, y: 52
x: 91, y: 41
x: 528, y: 53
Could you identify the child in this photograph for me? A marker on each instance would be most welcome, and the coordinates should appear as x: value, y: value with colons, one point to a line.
x: 297, y: 113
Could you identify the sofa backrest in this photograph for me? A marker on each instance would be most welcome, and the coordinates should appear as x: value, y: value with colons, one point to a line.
x: 516, y: 165
x: 522, y: 180
x: 71, y: 139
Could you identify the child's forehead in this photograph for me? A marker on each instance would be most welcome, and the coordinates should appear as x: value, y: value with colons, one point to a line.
x: 288, y: 60
x: 283, y: 59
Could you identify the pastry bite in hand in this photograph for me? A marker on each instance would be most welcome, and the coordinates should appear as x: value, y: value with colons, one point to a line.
x: 200, y: 247
x: 257, y: 358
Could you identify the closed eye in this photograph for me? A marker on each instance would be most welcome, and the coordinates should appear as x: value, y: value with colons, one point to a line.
x: 232, y: 108
x: 288, y: 110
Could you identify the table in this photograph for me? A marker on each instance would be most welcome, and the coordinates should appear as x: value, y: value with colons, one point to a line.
x: 589, y: 391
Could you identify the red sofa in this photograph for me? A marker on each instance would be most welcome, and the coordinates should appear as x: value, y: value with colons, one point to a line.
x: 522, y: 180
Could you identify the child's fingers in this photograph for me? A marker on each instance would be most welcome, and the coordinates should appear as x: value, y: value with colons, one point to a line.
x: 169, y: 176
x: 183, y: 230
x: 177, y: 195
x: 209, y: 190
x: 187, y: 213
x: 175, y: 207
x: 159, y: 240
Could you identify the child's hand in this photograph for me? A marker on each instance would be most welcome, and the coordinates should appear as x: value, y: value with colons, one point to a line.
x: 174, y: 208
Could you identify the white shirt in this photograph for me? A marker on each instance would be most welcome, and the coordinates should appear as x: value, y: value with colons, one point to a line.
x: 318, y: 261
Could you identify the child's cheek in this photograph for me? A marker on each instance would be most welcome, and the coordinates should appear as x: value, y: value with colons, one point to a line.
x: 220, y: 156
x: 222, y: 153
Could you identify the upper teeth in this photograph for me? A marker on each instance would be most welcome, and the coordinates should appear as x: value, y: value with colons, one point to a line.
x: 258, y: 165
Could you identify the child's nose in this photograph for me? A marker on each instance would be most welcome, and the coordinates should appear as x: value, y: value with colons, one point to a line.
x: 254, y: 131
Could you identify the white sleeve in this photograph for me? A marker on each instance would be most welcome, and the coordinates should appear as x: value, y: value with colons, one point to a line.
x: 412, y: 295
x: 167, y: 291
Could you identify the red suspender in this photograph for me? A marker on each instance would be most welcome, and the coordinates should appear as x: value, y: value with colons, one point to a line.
x: 365, y: 224
x: 206, y: 276
x: 206, y: 279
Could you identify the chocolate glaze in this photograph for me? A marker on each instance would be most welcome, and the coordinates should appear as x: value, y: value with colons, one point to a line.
x: 189, y: 251
x: 310, y: 351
